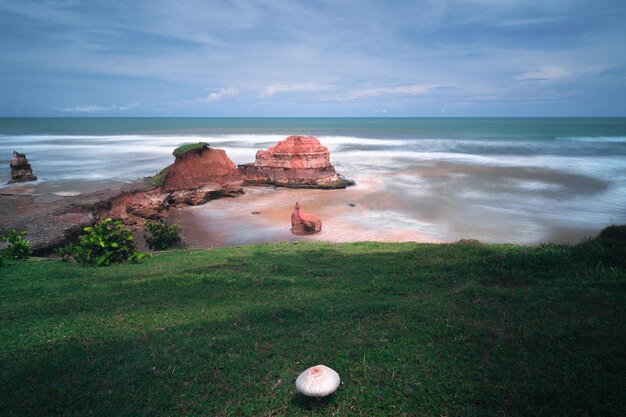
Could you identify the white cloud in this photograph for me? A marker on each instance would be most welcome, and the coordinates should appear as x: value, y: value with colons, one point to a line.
x: 545, y: 74
x: 100, y: 109
x: 273, y: 89
x: 218, y: 95
x: 85, y: 109
x: 410, y: 90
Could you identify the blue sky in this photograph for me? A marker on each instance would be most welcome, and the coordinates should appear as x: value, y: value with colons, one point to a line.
x: 313, y: 58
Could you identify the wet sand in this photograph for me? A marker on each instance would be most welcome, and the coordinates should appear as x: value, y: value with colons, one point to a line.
x: 346, y: 216
x: 432, y: 202
x: 421, y: 201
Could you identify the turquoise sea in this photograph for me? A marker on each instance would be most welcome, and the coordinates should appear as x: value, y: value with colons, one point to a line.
x: 523, y: 180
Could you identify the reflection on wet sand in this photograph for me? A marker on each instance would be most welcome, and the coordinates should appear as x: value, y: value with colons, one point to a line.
x: 434, y: 202
x: 231, y: 222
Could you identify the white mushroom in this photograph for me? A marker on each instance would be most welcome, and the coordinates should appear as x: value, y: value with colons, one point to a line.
x: 317, y: 381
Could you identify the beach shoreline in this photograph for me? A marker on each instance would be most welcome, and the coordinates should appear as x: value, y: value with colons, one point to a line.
x: 525, y: 181
x: 373, y: 210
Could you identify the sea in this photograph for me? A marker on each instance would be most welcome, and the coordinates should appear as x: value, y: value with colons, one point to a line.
x: 516, y: 180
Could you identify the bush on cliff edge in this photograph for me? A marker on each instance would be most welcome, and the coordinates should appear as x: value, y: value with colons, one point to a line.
x: 160, y: 236
x: 608, y: 249
x: 18, y: 247
x: 103, y: 244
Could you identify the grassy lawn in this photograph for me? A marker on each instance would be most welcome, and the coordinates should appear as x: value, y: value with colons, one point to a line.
x: 412, y: 329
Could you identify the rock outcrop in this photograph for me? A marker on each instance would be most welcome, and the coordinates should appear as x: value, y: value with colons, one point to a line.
x: 200, y: 166
x: 48, y: 224
x: 21, y: 170
x: 199, y: 174
x: 296, y: 162
x: 304, y: 224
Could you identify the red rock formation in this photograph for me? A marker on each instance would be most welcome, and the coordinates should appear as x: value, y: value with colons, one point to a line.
x: 20, y: 169
x: 198, y: 175
x: 304, y: 224
x: 200, y: 167
x: 296, y: 162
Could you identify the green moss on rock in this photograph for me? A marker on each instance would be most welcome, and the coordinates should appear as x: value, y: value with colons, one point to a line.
x: 158, y: 179
x: 183, y: 149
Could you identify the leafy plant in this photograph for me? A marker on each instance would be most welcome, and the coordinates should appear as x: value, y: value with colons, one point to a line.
x: 105, y: 243
x: 18, y: 247
x: 66, y: 252
x: 160, y: 236
x: 3, y: 262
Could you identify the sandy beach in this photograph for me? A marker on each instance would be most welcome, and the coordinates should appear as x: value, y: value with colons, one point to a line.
x: 263, y: 215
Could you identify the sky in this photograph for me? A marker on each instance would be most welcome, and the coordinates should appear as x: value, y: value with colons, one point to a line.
x: 423, y: 58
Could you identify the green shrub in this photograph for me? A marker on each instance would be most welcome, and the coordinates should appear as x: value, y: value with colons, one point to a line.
x: 160, y: 236
x: 614, y: 232
x: 608, y: 249
x: 66, y: 252
x: 105, y: 243
x: 19, y: 248
x: 3, y: 262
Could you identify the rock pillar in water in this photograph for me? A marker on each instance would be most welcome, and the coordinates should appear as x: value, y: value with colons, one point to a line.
x: 304, y: 224
x: 20, y: 169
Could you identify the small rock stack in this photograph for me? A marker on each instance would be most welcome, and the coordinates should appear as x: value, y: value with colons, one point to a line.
x: 304, y: 224
x: 20, y: 169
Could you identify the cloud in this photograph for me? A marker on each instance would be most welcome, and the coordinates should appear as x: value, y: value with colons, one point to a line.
x: 273, y: 89
x: 216, y: 96
x: 410, y: 90
x: 162, y: 55
x: 549, y: 73
x: 100, y: 109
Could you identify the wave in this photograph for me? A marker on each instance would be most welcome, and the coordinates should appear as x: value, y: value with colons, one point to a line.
x: 594, y: 139
x: 219, y: 138
x: 123, y: 155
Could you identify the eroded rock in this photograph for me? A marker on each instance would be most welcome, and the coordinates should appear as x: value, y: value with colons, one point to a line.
x: 303, y: 223
x: 199, y: 167
x: 296, y: 162
x: 21, y: 170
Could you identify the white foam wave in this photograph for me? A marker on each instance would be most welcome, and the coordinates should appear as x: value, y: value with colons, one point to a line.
x: 598, y: 166
x: 213, y: 138
x: 594, y: 139
x: 149, y: 153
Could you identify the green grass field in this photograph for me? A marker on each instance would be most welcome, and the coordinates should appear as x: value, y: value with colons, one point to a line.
x: 412, y: 329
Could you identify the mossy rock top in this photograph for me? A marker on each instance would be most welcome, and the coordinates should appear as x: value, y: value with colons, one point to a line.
x: 183, y: 149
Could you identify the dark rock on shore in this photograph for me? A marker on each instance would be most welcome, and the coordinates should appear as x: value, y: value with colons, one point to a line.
x: 49, y: 224
x: 21, y: 170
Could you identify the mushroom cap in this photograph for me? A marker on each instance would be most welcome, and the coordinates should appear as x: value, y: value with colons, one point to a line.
x: 317, y: 381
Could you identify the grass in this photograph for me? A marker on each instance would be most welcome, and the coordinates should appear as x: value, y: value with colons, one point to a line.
x: 412, y: 329
x: 183, y: 149
x: 158, y: 179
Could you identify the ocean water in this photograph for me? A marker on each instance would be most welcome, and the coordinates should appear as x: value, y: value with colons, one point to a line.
x: 527, y: 180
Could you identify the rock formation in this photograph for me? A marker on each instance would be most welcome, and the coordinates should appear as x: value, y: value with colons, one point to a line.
x: 304, y: 224
x: 200, y: 166
x: 198, y: 175
x: 296, y: 162
x: 20, y: 169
